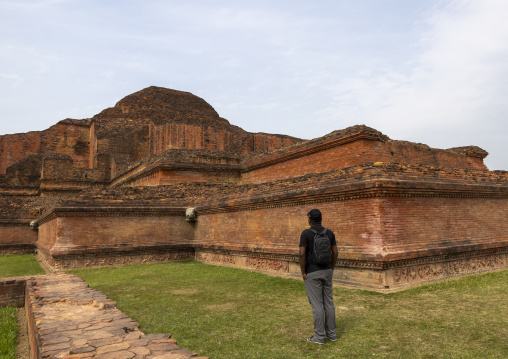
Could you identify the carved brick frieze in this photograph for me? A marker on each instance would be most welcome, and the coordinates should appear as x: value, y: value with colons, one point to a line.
x: 46, y: 261
x: 251, y: 254
x: 267, y: 264
x: 89, y: 260
x: 360, y: 264
x: 17, y: 249
x: 452, y: 268
x: 446, y: 258
x: 257, y: 261
x: 216, y: 258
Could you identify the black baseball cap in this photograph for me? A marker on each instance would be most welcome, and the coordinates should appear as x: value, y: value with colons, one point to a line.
x: 315, y: 215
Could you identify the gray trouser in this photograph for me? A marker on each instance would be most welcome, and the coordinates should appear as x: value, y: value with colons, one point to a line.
x: 318, y: 286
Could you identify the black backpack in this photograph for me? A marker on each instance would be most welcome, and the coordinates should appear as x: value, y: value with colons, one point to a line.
x: 322, y: 253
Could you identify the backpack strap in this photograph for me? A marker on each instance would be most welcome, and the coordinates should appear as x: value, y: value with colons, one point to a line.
x: 316, y: 232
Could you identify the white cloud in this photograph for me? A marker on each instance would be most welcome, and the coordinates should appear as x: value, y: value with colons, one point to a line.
x: 459, y: 74
x: 11, y: 77
x: 30, y: 4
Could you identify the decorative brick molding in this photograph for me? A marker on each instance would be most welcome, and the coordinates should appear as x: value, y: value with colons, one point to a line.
x: 6, y: 249
x: 380, y: 188
x: 375, y: 275
x: 104, y: 258
x: 447, y: 268
x: 109, y: 211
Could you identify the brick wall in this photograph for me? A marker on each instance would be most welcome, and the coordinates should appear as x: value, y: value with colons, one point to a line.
x: 47, y: 235
x: 69, y: 137
x: 168, y: 177
x: 352, y: 154
x: 267, y: 142
x: 277, y: 230
x: 12, y: 291
x: 374, y: 228
x: 175, y: 135
x: 17, y: 238
x: 133, y: 142
x: 230, y: 139
x: 15, y: 147
x: 423, y: 226
x: 67, y: 235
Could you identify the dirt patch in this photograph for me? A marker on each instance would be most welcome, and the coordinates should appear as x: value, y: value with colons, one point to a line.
x: 185, y: 291
x: 23, y: 348
x: 221, y: 307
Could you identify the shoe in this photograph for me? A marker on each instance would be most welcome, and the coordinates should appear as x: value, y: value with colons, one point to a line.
x: 313, y: 340
x: 332, y: 340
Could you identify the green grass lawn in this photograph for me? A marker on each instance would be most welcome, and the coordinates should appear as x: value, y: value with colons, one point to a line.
x: 19, y: 265
x: 230, y: 313
x: 8, y: 332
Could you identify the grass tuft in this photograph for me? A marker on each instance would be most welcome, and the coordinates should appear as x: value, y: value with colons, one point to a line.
x: 8, y: 332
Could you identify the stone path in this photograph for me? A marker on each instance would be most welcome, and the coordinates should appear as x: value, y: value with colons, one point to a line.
x: 71, y: 320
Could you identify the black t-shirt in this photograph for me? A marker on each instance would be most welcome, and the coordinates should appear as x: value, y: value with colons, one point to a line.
x: 307, y: 240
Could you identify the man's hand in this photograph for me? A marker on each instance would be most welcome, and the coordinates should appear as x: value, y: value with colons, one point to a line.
x: 302, y: 261
x: 335, y: 254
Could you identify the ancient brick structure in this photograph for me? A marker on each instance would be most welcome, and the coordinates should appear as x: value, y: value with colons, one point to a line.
x: 115, y: 189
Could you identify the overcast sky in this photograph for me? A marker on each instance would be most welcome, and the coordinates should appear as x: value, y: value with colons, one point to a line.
x: 434, y: 72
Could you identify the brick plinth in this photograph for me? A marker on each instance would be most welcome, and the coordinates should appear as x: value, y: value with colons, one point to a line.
x: 378, y: 276
x: 109, y: 257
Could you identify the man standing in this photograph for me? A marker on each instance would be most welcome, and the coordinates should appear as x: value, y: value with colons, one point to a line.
x: 317, y: 262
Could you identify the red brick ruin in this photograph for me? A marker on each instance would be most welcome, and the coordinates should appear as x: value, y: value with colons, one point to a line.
x: 161, y: 176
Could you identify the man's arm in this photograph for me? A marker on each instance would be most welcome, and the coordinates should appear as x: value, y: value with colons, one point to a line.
x: 335, y: 255
x: 302, y: 261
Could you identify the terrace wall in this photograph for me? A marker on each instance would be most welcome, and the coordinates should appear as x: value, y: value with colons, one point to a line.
x: 87, y: 239
x: 160, y: 176
x: 385, y: 242
x: 17, y: 237
x: 320, y: 158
